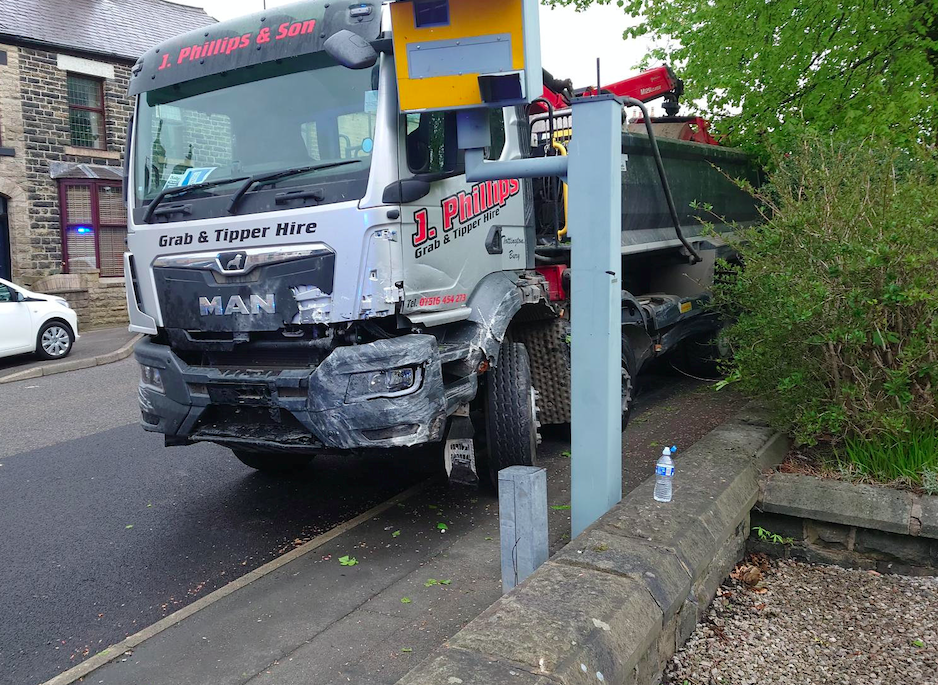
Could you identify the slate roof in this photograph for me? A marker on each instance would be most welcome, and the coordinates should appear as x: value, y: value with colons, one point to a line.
x: 116, y: 28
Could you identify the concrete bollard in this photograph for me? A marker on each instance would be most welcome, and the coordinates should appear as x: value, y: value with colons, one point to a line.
x: 522, y: 512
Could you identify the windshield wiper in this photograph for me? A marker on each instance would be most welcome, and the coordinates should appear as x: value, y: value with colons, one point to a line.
x: 277, y: 175
x: 182, y: 190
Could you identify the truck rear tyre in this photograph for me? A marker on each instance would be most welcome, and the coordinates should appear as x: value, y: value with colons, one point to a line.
x: 704, y: 354
x: 628, y: 382
x: 510, y: 411
x: 271, y: 462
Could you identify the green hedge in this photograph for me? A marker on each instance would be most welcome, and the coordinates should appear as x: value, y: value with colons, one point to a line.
x: 835, y: 306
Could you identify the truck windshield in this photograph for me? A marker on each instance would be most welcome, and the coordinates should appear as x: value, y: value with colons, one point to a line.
x: 303, y: 112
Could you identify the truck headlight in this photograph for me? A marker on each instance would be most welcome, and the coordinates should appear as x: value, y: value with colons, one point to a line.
x: 151, y: 378
x: 392, y: 383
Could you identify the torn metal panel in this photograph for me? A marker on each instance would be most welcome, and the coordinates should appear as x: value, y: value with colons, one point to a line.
x: 495, y: 302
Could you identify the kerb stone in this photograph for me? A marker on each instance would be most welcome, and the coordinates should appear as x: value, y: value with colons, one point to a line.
x: 459, y: 667
x: 562, y: 617
x: 657, y: 568
x: 849, y: 504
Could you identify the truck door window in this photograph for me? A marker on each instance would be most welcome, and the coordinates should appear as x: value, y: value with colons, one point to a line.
x: 432, y: 146
x: 497, y: 124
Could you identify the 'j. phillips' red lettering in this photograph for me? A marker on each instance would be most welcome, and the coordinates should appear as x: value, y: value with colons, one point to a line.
x: 465, y: 207
x: 423, y: 232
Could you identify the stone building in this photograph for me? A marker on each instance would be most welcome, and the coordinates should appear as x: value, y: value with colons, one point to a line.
x: 64, y: 109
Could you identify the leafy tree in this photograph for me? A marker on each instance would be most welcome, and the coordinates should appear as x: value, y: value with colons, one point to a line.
x: 769, y: 68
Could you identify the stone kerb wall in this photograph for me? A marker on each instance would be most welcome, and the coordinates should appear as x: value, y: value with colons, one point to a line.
x: 615, y: 604
x: 848, y: 524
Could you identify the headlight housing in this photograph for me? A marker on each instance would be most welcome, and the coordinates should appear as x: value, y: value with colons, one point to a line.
x: 389, y: 383
x: 151, y: 377
x: 62, y: 302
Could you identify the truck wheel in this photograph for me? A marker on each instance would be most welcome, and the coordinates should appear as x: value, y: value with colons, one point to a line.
x: 703, y: 354
x: 272, y: 462
x: 628, y: 382
x: 510, y: 411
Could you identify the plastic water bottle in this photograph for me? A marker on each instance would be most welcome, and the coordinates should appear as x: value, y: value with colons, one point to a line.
x: 664, y: 473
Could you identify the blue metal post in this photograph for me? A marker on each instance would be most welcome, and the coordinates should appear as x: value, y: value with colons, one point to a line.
x: 595, y: 213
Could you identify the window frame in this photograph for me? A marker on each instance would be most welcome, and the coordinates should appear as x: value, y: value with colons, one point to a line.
x: 96, y: 225
x: 102, y: 110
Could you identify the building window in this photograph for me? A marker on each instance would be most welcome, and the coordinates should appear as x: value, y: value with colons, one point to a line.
x: 86, y: 111
x: 94, y: 227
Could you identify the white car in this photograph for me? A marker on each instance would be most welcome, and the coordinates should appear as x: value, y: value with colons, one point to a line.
x: 32, y: 322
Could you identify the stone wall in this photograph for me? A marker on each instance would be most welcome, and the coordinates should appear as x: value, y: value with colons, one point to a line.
x: 35, y: 123
x: 13, y: 167
x: 47, y: 139
x: 99, y: 302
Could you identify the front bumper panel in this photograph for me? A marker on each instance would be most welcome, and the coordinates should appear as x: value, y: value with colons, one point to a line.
x: 298, y: 409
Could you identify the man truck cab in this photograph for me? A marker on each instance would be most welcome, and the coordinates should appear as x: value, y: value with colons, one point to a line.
x: 314, y: 273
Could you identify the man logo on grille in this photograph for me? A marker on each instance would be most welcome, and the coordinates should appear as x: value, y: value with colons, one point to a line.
x: 232, y: 261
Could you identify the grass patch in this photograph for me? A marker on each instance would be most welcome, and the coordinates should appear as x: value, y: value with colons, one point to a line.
x: 910, y: 457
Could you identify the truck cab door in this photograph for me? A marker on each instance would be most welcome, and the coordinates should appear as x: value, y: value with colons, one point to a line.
x: 459, y: 232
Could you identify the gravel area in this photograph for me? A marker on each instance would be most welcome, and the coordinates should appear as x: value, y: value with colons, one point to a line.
x: 788, y: 623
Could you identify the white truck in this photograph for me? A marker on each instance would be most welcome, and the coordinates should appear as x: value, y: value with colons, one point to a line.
x: 314, y: 274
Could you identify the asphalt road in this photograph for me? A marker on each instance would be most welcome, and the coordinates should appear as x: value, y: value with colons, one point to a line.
x: 105, y: 531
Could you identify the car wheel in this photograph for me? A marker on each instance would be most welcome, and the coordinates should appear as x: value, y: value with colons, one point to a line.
x: 273, y: 463
x: 54, y: 340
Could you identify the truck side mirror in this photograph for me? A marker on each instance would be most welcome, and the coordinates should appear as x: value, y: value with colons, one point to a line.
x: 351, y: 50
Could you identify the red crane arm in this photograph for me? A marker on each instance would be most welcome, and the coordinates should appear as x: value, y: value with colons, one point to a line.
x: 646, y: 86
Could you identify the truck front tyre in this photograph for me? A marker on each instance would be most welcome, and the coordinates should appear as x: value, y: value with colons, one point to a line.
x: 272, y: 463
x: 510, y: 411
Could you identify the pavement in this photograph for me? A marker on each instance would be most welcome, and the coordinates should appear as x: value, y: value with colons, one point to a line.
x: 108, y: 533
x: 95, y: 347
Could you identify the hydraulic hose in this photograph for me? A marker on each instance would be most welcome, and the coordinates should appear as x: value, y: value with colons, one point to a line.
x: 694, y: 255
x: 562, y: 151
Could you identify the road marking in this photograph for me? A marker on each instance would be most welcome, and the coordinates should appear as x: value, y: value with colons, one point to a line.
x: 108, y: 655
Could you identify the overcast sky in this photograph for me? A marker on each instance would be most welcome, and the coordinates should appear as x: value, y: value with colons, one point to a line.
x: 571, y: 41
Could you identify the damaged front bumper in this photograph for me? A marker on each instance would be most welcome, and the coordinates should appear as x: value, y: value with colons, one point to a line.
x: 305, y: 409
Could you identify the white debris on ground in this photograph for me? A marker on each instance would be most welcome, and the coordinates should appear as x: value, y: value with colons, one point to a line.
x: 788, y: 623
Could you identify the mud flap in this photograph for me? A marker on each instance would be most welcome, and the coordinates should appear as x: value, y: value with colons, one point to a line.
x: 459, y: 451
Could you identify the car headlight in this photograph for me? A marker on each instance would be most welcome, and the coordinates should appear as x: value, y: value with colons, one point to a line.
x: 391, y: 383
x: 151, y: 378
x: 61, y: 301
